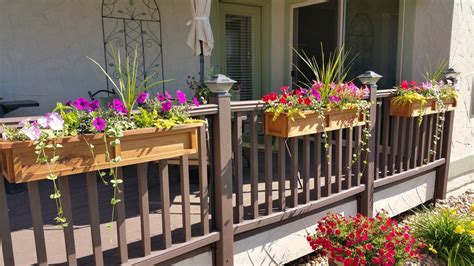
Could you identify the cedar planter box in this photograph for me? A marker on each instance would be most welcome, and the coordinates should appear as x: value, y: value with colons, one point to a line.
x: 136, y: 146
x: 415, y: 109
x: 284, y: 127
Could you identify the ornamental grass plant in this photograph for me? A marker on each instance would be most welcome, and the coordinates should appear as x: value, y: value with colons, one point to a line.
x: 447, y: 234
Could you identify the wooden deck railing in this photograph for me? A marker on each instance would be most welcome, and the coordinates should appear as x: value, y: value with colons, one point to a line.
x: 255, y: 181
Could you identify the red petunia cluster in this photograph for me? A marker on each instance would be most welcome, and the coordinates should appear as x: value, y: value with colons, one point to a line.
x: 361, y: 240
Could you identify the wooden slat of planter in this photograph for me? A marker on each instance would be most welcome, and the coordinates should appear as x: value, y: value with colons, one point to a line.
x: 348, y: 169
x: 37, y: 220
x: 385, y: 139
x: 254, y: 164
x: 328, y: 162
x: 165, y: 202
x: 203, y: 184
x: 281, y: 173
x: 144, y: 207
x: 317, y: 163
x: 338, y: 157
x: 238, y: 168
x: 121, y: 220
x: 93, y: 202
x: 63, y: 184
x: 394, y: 145
x: 356, y: 166
x: 306, y: 168
x: 5, y: 235
x: 185, y: 201
x: 268, y: 174
x: 294, y: 172
x: 285, y: 127
x: 137, y: 146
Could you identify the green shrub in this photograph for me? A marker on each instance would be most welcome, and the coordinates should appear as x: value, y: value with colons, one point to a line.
x: 447, y: 234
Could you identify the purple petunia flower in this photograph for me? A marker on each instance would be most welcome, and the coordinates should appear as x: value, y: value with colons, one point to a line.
x: 166, y: 106
x: 118, y: 106
x: 181, y: 97
x: 168, y: 95
x: 33, y: 132
x: 142, y: 97
x: 81, y: 104
x: 99, y: 123
x: 196, y: 102
x: 316, y: 94
x: 69, y: 103
x: 334, y: 99
x: 160, y: 97
x: 94, y: 105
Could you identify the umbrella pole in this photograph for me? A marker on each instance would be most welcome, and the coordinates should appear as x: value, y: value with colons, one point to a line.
x: 201, y: 62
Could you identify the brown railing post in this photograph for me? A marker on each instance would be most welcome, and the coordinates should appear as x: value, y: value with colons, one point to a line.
x: 222, y: 165
x: 441, y: 184
x: 370, y: 79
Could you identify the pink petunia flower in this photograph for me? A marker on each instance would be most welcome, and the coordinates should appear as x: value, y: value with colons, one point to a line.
x: 196, y: 102
x: 181, y: 97
x: 166, y: 106
x: 142, y: 97
x: 99, y: 124
x: 81, y: 104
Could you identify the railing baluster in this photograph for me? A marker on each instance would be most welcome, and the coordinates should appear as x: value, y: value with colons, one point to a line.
x: 306, y: 168
x: 63, y: 183
x: 317, y: 163
x: 328, y: 163
x: 165, y: 202
x: 394, y: 145
x: 238, y: 169
x: 121, y: 220
x: 281, y: 173
x: 439, y: 149
x: 338, y: 157
x: 268, y: 174
x: 416, y: 141
x: 348, y: 181
x: 386, y: 133
x: 408, y: 151
x: 423, y: 143
x: 294, y: 172
x: 185, y: 192
x: 143, y: 204
x: 401, y: 154
x: 94, y: 218
x: 430, y: 138
x: 254, y: 164
x: 378, y: 140
x: 356, y: 166
x: 5, y: 234
x: 203, y: 186
x: 37, y: 220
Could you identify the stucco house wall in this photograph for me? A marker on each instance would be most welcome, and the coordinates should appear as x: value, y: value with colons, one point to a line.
x: 44, y: 45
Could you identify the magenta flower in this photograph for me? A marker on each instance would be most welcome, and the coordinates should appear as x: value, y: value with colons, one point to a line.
x: 181, y: 97
x: 160, y: 97
x: 142, y: 97
x: 99, y: 123
x: 118, y: 106
x: 69, y: 103
x: 316, y: 94
x: 168, y: 96
x: 166, y: 106
x: 81, y: 104
x: 334, y: 99
x: 196, y: 102
x: 94, y: 105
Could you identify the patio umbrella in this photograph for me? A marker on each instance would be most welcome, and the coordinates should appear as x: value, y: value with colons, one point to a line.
x: 200, y: 37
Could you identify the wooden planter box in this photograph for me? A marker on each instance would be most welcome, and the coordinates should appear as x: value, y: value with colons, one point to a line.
x: 415, y: 109
x: 136, y: 146
x: 284, y: 127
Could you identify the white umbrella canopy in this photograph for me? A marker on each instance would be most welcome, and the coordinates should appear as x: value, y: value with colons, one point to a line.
x: 200, y: 34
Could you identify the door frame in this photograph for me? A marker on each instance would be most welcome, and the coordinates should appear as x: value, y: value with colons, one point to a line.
x: 291, y: 6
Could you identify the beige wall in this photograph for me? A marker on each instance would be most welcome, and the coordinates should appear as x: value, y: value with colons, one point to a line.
x: 44, y: 45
